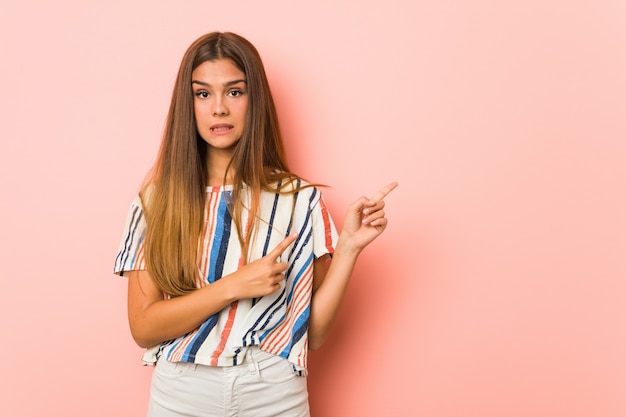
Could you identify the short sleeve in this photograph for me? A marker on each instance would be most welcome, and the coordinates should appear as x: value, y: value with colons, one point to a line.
x: 130, y: 256
x: 324, y: 231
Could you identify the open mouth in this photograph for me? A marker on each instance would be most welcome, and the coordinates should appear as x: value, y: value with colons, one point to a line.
x: 221, y: 128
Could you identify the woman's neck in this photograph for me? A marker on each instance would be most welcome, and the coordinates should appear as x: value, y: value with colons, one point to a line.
x: 216, y: 166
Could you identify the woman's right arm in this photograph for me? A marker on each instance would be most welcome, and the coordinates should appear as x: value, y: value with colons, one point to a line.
x: 154, y: 319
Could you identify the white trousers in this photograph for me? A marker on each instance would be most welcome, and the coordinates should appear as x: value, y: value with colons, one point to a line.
x: 263, y: 385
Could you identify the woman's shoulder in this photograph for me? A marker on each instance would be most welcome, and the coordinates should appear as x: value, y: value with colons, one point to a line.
x: 288, y: 185
x: 143, y: 197
x: 296, y: 184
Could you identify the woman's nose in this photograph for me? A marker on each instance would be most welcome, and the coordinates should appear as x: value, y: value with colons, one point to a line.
x: 219, y: 108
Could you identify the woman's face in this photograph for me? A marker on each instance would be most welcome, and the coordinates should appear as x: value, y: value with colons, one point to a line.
x: 220, y: 103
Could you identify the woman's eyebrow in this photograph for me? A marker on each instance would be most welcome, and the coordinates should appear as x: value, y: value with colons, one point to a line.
x: 226, y: 84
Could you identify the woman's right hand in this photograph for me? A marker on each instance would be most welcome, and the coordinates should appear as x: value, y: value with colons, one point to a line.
x: 261, y: 277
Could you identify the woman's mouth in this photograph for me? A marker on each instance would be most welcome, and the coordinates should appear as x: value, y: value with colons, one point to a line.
x: 221, y: 129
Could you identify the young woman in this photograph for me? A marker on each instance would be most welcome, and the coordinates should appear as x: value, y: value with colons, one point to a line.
x: 228, y: 253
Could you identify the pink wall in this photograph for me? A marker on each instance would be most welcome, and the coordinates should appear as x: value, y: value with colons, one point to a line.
x: 499, y: 288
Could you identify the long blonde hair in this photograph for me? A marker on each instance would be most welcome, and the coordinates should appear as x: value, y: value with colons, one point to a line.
x: 175, y: 191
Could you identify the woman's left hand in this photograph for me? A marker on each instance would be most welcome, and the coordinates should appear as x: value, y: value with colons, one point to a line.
x: 365, y: 220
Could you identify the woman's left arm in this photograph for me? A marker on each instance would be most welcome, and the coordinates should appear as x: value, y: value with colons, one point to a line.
x: 364, y: 222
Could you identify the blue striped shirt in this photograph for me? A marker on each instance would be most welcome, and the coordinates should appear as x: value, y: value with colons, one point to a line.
x: 277, y: 323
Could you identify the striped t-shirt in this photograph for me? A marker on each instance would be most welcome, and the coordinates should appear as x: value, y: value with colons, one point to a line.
x: 277, y: 323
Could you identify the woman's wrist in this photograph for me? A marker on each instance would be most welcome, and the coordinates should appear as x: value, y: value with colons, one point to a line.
x: 345, y: 246
x: 225, y: 287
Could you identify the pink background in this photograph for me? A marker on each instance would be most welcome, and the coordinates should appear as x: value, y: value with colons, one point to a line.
x: 499, y: 288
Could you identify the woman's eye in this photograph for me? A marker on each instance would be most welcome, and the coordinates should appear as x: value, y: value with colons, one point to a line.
x: 235, y: 93
x: 202, y: 94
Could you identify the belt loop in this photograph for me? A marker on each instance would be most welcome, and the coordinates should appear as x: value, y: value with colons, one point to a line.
x: 253, y: 366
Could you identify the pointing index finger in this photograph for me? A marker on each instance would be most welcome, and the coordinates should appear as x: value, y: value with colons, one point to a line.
x: 284, y: 244
x: 384, y: 191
